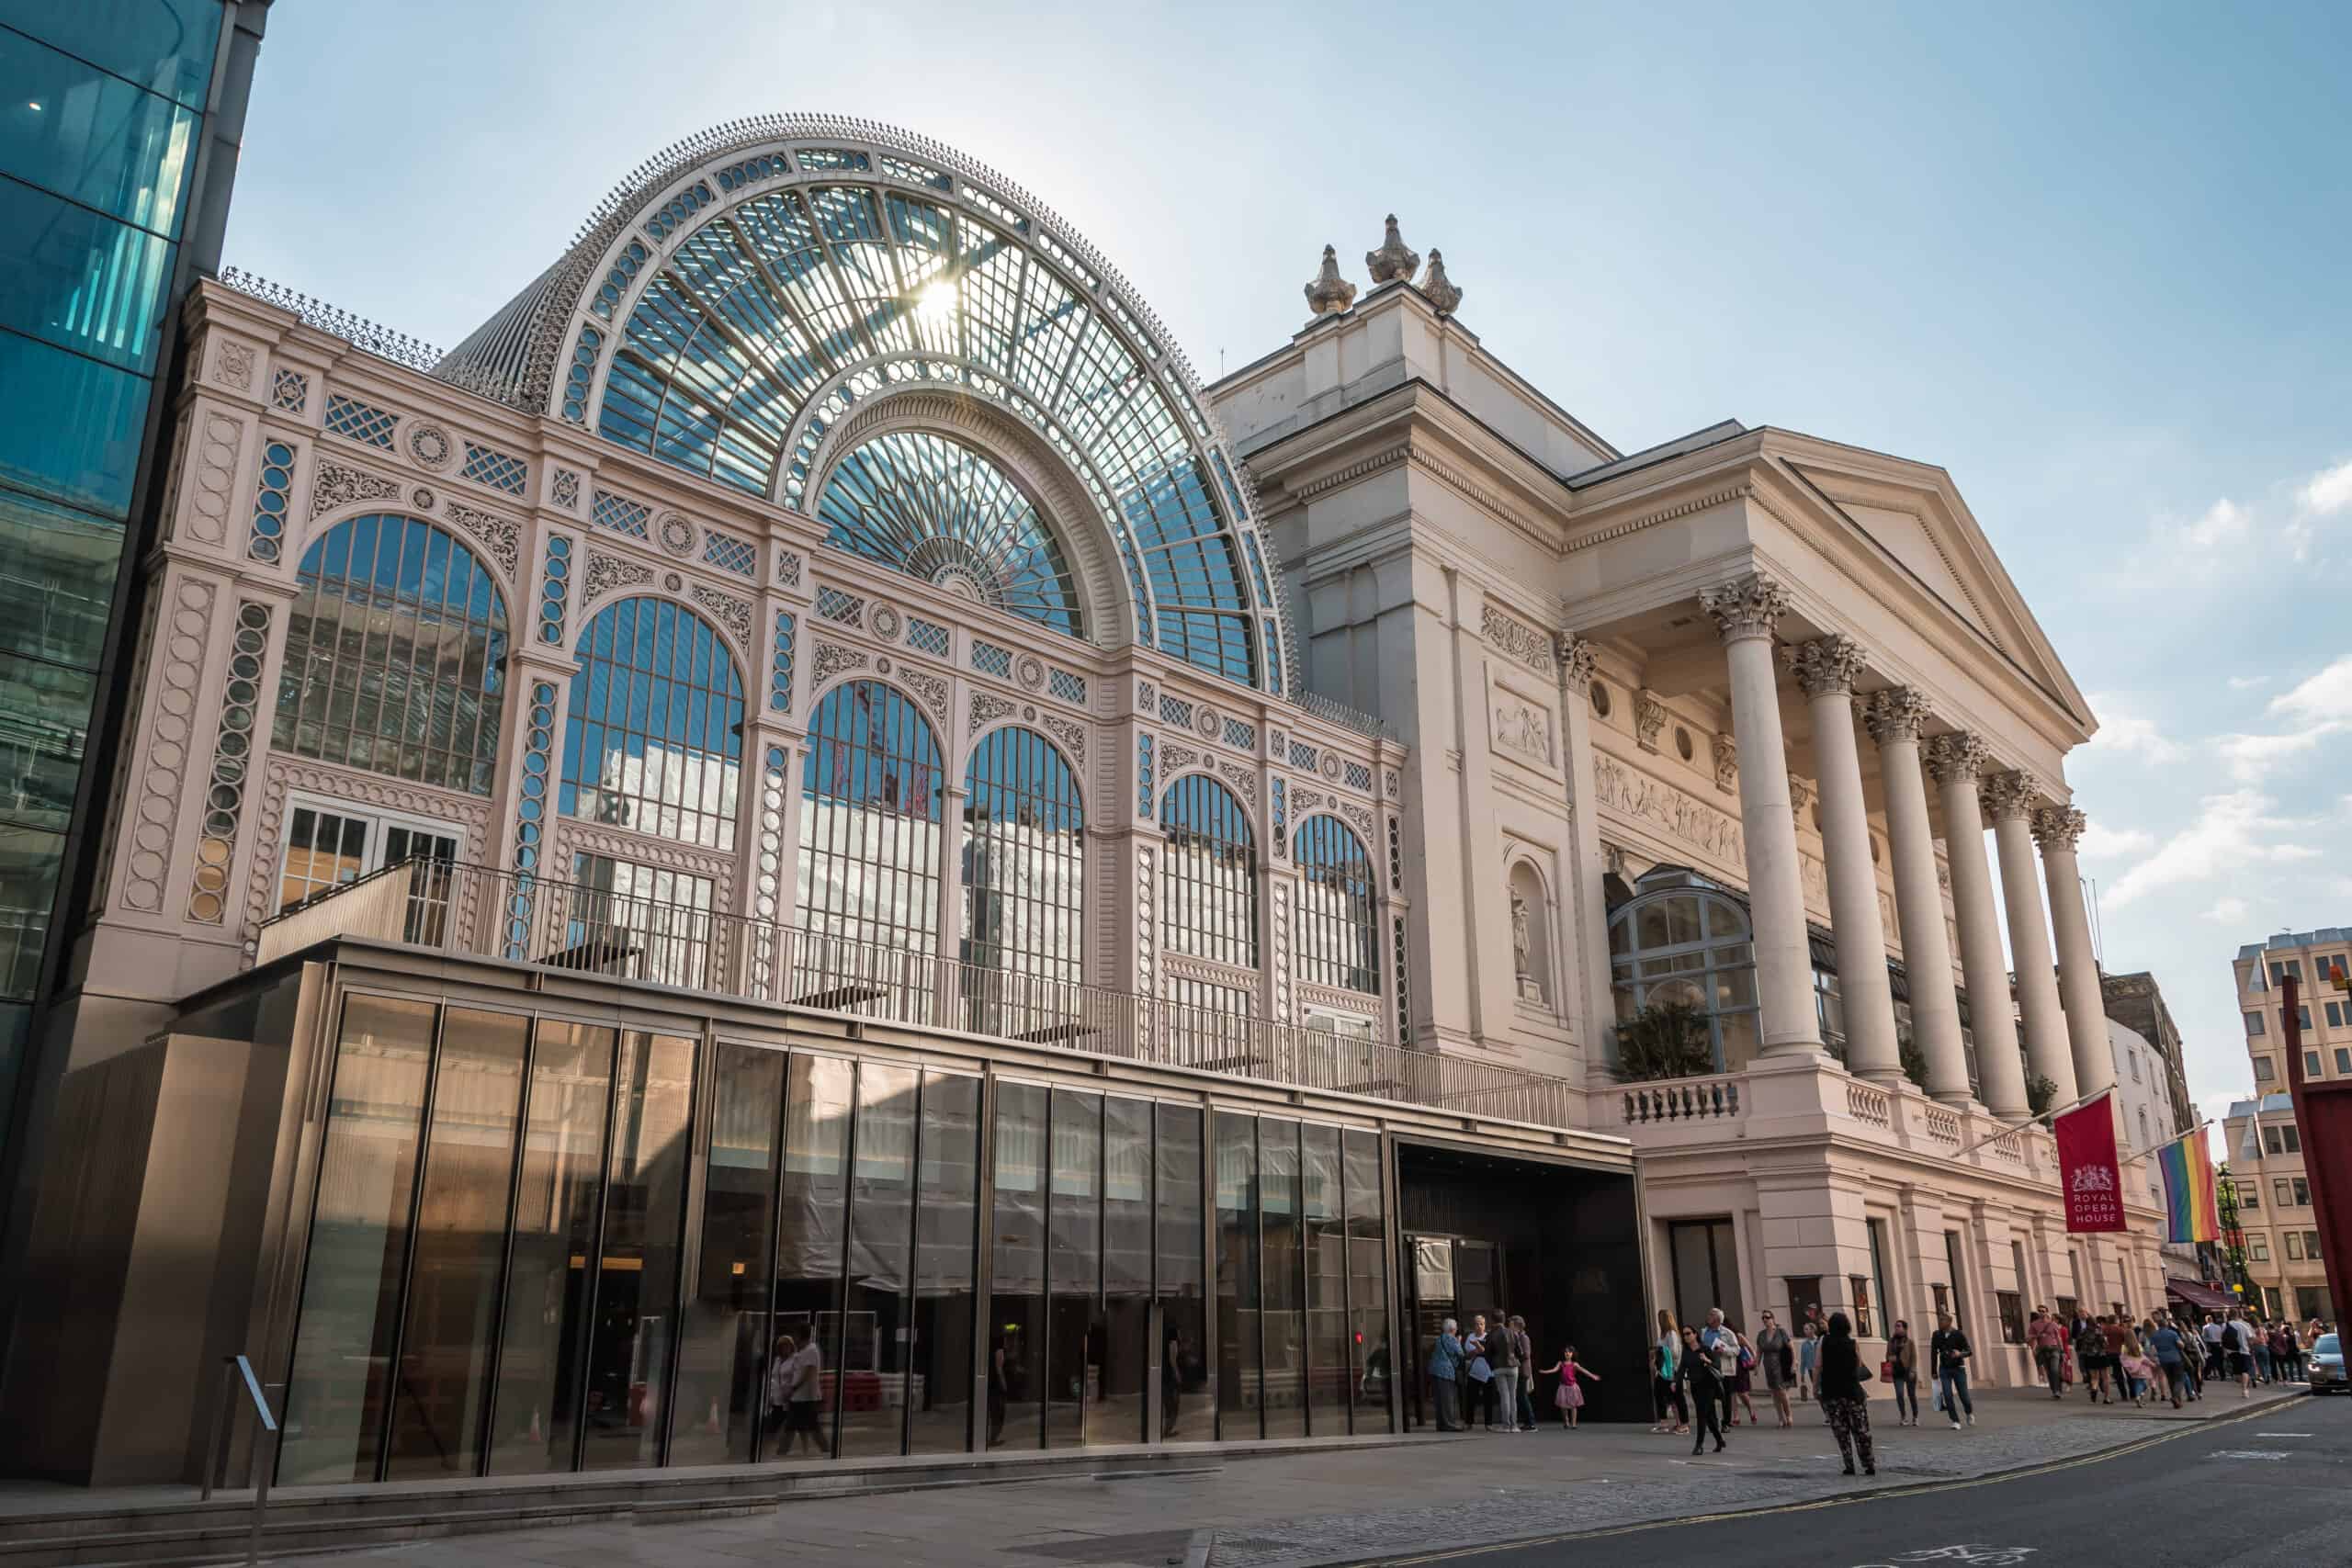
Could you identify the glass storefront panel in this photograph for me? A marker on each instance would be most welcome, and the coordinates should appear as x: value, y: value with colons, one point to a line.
x: 1367, y: 1282
x: 461, y: 1250
x: 1322, y: 1208
x: 1126, y: 1271
x: 723, y: 1348
x: 1284, y: 1316
x: 165, y: 46
x: 338, y: 1389
x: 637, y: 1273
x: 805, y: 1338
x: 1187, y: 1400
x: 82, y: 281
x: 1074, y: 1352
x: 881, y: 1228
x: 95, y: 139
x: 1016, y: 1347
x: 69, y: 426
x: 29, y: 862
x: 1237, y: 1405
x: 939, y: 1390
x: 44, y: 714
x: 57, y: 570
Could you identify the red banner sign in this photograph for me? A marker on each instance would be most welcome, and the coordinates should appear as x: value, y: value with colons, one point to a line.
x: 2087, y: 1168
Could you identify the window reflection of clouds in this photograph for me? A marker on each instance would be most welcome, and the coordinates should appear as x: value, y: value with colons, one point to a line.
x: 1338, y: 938
x: 870, y: 819
x: 1209, y: 874
x: 1024, y: 859
x: 653, y: 739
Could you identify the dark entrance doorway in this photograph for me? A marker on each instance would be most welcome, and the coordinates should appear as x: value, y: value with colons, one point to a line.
x: 1556, y: 1243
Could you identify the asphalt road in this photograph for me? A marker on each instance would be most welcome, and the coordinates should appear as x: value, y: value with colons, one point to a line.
x: 2271, y: 1492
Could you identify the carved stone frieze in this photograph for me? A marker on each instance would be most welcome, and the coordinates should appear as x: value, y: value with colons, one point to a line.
x: 1618, y: 788
x: 1242, y: 778
x: 987, y: 709
x: 1070, y: 732
x: 1360, y: 816
x: 607, y: 573
x: 932, y: 689
x: 730, y: 610
x: 235, y: 367
x: 1522, y: 728
x: 1305, y: 801
x: 1174, y: 759
x: 832, y: 658
x: 335, y: 484
x: 1746, y: 606
x: 1516, y: 637
x: 500, y: 537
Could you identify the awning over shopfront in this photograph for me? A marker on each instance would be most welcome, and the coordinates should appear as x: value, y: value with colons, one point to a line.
x: 2205, y: 1298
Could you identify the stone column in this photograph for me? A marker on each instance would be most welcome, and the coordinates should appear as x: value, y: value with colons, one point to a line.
x: 1955, y: 760
x: 1587, y: 905
x: 2007, y: 798
x: 1894, y: 717
x: 1825, y: 669
x: 2057, y: 828
x: 1745, y: 610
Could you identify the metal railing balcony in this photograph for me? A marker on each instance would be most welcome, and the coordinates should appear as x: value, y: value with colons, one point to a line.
x: 457, y: 908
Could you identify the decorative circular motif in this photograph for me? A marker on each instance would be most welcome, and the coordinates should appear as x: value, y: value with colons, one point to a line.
x: 886, y: 622
x: 430, y: 446
x: 1029, y: 715
x: 1030, y: 671
x: 882, y: 665
x: 673, y: 582
x: 1600, y: 699
x: 422, y: 498
x: 1331, y: 766
x: 1683, y: 742
x: 675, y: 532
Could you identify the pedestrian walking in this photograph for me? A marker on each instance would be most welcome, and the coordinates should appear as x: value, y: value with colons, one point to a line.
x: 1722, y: 1348
x: 1445, y: 1377
x: 2139, y: 1371
x: 1808, y: 1357
x: 1672, y: 1414
x: 2285, y: 1354
x: 1842, y: 1376
x: 2239, y: 1334
x: 2090, y: 1355
x: 1525, y: 1350
x: 1569, y: 1399
x: 1948, y: 1352
x: 2048, y: 1337
x: 2216, y: 1353
x: 1743, y: 1376
x: 1775, y: 1353
x: 1502, y: 1360
x: 1701, y: 1379
x: 2166, y: 1345
x: 1903, y: 1372
x: 803, y: 1398
x: 2265, y: 1368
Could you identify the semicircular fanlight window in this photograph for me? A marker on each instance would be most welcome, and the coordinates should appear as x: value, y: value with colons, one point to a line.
x: 939, y: 511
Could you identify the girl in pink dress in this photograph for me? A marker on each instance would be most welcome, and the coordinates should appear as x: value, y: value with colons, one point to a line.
x: 1570, y: 1399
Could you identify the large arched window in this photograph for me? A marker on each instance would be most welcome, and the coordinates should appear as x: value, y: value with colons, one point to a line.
x: 1024, y: 859
x: 654, y: 739
x: 1339, y: 938
x: 394, y: 650
x: 937, y: 510
x: 870, y: 820
x: 1208, y: 894
x: 1683, y: 939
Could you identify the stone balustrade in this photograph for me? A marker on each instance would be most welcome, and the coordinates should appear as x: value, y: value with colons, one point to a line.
x: 1714, y: 1101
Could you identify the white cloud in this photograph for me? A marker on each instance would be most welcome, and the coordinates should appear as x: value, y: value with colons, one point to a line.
x: 2231, y: 833
x: 2323, y: 699
x: 2227, y: 912
x: 2103, y: 842
x: 2247, y: 683
x: 2253, y: 758
x: 2128, y: 734
x: 2328, y: 492
x: 2224, y: 523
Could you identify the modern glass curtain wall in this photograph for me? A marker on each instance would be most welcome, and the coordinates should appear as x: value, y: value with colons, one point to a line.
x: 541, y: 1244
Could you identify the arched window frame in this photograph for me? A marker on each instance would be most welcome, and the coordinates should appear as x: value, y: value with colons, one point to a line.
x: 616, y: 696
x: 313, y: 691
x: 885, y: 887
x: 1714, y: 965
x: 1026, y: 774
x: 1338, y: 938
x: 1209, y: 882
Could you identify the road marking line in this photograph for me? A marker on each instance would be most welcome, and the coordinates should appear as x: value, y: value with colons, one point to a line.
x: 2282, y: 1434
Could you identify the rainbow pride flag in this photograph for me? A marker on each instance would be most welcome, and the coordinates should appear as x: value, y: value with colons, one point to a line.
x: 2187, y: 1166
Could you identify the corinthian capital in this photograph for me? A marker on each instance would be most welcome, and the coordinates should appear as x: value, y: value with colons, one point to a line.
x: 1955, y: 756
x: 1577, y: 658
x: 1895, y: 714
x: 1826, y: 666
x: 2004, y: 795
x: 2058, y: 828
x: 1746, y: 606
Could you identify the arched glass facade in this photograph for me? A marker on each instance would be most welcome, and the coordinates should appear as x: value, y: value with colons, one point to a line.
x: 1681, y: 939
x: 395, y: 648
x: 1024, y: 859
x: 653, y: 741
x: 870, y: 820
x: 1208, y: 894
x: 939, y: 511
x: 1339, y: 935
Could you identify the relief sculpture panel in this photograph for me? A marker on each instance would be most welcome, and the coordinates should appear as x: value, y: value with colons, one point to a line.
x: 1523, y: 728
x: 1621, y: 790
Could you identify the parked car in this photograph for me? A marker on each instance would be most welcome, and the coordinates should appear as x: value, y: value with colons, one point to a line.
x: 2326, y: 1364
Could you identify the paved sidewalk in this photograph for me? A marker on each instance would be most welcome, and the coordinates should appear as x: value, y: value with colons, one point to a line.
x: 1319, y: 1508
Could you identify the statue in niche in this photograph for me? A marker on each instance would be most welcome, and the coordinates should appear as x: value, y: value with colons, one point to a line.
x: 1522, y: 951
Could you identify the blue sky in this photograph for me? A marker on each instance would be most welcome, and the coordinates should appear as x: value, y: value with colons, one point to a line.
x: 2092, y: 260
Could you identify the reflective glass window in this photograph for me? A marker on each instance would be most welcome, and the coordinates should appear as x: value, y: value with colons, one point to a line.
x: 1209, y: 865
x: 1074, y: 1326
x: 28, y: 864
x: 648, y: 922
x: 1016, y: 1326
x: 1681, y: 940
x: 1283, y: 1305
x: 939, y: 1392
x: 811, y: 1233
x: 870, y: 820
x: 165, y: 46
x: 939, y: 511
x: 881, y: 1228
x: 1238, y: 1408
x: 1126, y: 1271
x: 395, y: 655
x: 460, y: 1248
x: 1024, y: 866
x: 544, y: 1343
x: 652, y: 738
x: 339, y: 1391
x: 93, y: 138
x: 723, y: 1343
x: 57, y: 573
x: 82, y: 281
x: 1368, y: 1350
x: 1187, y: 1397
x: 44, y: 719
x: 636, y: 1274
x: 70, y: 428
x: 1323, y: 1232
x: 1338, y: 937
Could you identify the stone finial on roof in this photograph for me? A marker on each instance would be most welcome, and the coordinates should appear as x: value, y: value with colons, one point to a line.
x: 1330, y: 293
x: 1438, y: 288
x: 1392, y: 262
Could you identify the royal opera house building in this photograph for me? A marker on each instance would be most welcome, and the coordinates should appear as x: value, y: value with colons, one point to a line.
x: 809, y: 781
